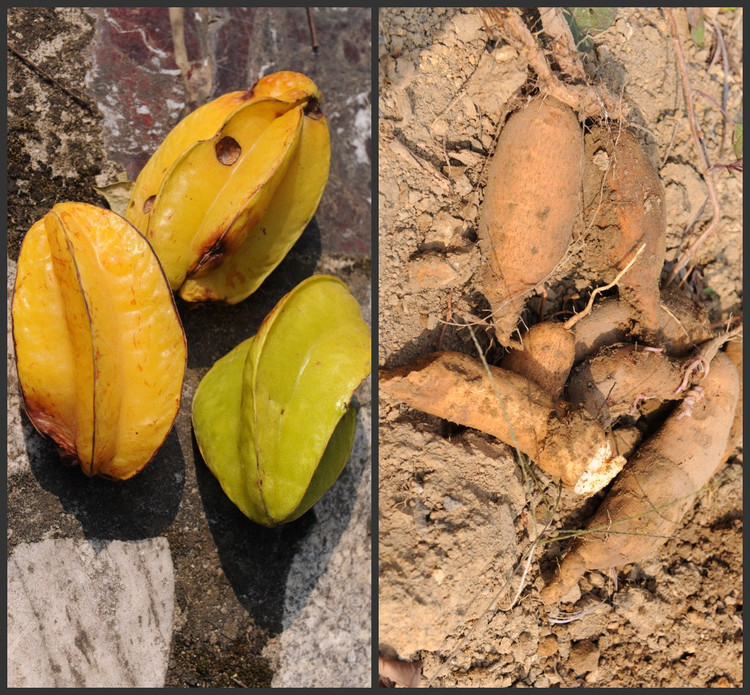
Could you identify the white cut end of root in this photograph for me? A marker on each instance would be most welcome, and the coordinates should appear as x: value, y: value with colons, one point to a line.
x: 603, y: 467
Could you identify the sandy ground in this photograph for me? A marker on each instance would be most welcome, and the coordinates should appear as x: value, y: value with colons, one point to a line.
x: 456, y: 519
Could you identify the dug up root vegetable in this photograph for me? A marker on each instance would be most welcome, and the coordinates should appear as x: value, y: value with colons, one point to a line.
x: 100, y: 349
x: 682, y: 324
x: 624, y: 208
x: 232, y: 187
x: 273, y: 418
x: 546, y: 358
x: 627, y: 212
x: 549, y: 349
x: 531, y: 201
x: 619, y: 378
x: 561, y: 439
x: 734, y: 352
x: 648, y: 499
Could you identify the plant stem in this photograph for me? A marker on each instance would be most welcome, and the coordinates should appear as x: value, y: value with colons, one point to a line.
x: 697, y: 141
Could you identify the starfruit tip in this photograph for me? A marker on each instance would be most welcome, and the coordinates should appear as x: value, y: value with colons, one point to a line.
x: 287, y: 86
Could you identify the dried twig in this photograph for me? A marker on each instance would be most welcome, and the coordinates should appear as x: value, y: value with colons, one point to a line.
x: 238, y: 681
x: 557, y: 618
x: 197, y: 76
x: 671, y: 143
x: 179, y: 47
x: 716, y: 104
x: 725, y: 89
x: 313, y: 37
x: 698, y: 140
x: 584, y: 98
x: 33, y: 66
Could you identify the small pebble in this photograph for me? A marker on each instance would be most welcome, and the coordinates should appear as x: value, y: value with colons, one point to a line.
x: 721, y: 682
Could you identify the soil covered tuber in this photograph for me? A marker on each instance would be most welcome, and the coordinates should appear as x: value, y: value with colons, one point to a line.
x: 734, y: 352
x: 682, y: 324
x: 647, y: 501
x: 624, y: 203
x: 562, y: 440
x: 619, y: 377
x: 530, y: 205
x: 546, y: 358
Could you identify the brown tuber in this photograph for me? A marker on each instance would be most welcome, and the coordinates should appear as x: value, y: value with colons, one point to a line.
x: 624, y: 202
x: 734, y: 352
x: 546, y: 358
x: 531, y: 201
x: 648, y: 499
x: 682, y: 324
x: 618, y: 378
x: 562, y: 440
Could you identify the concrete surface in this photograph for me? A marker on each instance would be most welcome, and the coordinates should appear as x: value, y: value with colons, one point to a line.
x: 252, y: 606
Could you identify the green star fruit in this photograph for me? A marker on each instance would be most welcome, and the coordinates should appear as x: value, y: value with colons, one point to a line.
x: 273, y: 418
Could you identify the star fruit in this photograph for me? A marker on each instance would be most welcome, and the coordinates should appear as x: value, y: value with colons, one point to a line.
x: 100, y: 349
x: 233, y: 186
x: 273, y: 418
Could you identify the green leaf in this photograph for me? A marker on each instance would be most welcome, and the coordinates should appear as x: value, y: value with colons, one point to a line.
x: 594, y: 19
x: 586, y: 22
x: 698, y: 30
x: 282, y: 399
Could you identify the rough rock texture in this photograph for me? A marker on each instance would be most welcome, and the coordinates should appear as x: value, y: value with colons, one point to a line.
x: 89, y: 613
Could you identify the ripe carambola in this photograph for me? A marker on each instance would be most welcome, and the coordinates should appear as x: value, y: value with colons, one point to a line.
x: 233, y: 186
x: 100, y: 349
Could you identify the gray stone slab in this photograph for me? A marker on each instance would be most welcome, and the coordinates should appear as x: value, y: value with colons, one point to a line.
x: 324, y: 625
x: 89, y: 614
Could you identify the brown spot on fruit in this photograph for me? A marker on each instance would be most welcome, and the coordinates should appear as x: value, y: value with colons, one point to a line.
x: 210, y: 258
x: 228, y: 150
x: 235, y: 279
x: 46, y: 424
x: 312, y: 109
